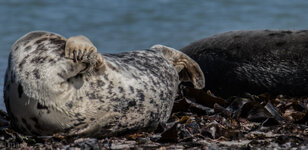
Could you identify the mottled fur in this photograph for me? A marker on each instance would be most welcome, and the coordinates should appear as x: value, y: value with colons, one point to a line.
x: 254, y: 61
x: 51, y: 88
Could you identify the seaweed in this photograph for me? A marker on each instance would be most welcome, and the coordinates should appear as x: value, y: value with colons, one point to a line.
x: 199, y: 120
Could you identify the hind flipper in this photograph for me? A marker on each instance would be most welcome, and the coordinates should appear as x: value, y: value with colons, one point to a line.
x: 188, y: 69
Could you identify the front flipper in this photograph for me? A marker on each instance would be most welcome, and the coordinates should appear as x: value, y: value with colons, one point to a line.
x: 81, y: 50
x: 188, y: 69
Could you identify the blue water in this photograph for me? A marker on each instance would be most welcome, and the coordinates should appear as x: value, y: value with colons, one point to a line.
x: 123, y: 25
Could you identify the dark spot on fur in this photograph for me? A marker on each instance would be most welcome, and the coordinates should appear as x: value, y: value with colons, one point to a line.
x: 28, y: 48
x: 26, y: 42
x: 115, y: 109
x: 80, y: 98
x: 40, y: 49
x: 51, y: 61
x: 91, y: 95
x: 110, y: 87
x: 62, y: 53
x: 79, y: 123
x: 40, y: 40
x: 134, y: 76
x: 57, y: 41
x: 106, y: 77
x: 140, y: 95
x: 151, y: 101
x: 16, y: 48
x: 40, y: 106
x: 21, y: 64
x: 81, y: 119
x: 116, y: 99
x: 132, y: 103
x: 36, y: 74
x: 77, y: 115
x: 131, y: 89
x: 100, y: 83
x: 121, y: 90
x: 161, y: 96
x: 92, y: 85
x: 39, y: 59
x: 145, y: 85
x: 85, y: 126
x: 20, y: 90
x: 92, y: 119
x: 27, y: 75
x: 60, y: 75
x: 112, y: 67
x: 153, y: 90
x: 69, y: 105
x: 60, y: 45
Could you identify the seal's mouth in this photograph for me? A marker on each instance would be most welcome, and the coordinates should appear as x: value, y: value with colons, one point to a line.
x: 76, y: 81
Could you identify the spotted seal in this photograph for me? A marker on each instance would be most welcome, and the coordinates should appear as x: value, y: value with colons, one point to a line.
x: 58, y: 85
x: 255, y: 61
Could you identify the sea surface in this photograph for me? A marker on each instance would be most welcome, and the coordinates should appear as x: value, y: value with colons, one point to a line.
x: 123, y: 25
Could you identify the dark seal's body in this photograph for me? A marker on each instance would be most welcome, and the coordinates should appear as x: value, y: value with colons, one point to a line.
x: 253, y: 61
x: 58, y: 85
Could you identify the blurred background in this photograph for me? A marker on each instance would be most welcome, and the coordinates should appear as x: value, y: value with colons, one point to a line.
x: 122, y: 25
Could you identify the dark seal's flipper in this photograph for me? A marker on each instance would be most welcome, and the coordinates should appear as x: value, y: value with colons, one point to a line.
x: 188, y: 69
x: 259, y: 61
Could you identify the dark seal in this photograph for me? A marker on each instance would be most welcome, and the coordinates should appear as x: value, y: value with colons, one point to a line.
x: 273, y: 61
